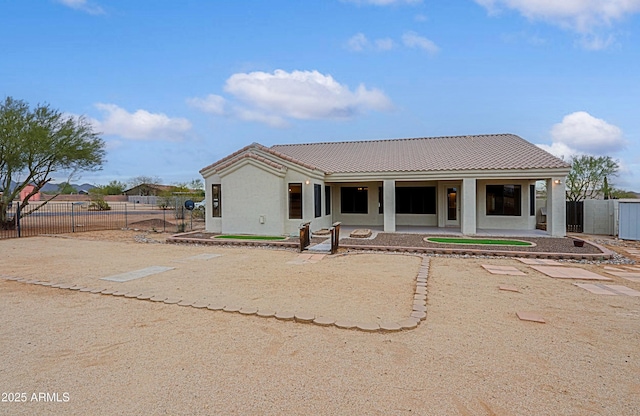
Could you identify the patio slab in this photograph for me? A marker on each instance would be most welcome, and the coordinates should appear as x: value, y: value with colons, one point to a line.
x: 625, y: 274
x: 137, y: 274
x: 508, y: 270
x: 530, y: 316
x: 600, y: 289
x: 545, y: 262
x: 569, y: 273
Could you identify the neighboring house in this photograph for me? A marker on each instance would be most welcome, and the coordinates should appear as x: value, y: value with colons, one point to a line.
x: 470, y: 182
x: 26, y: 191
x: 148, y: 189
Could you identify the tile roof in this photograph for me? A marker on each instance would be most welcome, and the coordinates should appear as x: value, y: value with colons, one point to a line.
x: 252, y: 151
x: 480, y: 152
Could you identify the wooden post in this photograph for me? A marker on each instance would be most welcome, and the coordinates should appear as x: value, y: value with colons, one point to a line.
x: 335, y: 237
x: 305, y: 239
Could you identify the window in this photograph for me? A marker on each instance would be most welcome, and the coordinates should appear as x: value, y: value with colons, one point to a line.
x: 216, y: 200
x: 317, y: 200
x: 532, y: 200
x: 354, y: 200
x: 295, y: 201
x: 503, y: 200
x: 327, y: 200
x: 416, y: 200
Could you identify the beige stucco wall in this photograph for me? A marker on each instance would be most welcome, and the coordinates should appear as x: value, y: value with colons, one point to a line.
x: 292, y: 227
x: 252, y: 201
x: 523, y: 222
x: 255, y: 201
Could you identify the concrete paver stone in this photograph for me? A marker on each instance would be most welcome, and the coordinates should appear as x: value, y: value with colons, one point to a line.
x: 596, y: 289
x: 304, y: 317
x: 137, y: 274
x: 344, y: 324
x: 390, y: 326
x: 324, y: 321
x: 547, y: 262
x: 530, y: 316
x: 285, y: 316
x: 569, y: 273
x: 368, y: 326
x: 508, y: 270
x: 266, y: 313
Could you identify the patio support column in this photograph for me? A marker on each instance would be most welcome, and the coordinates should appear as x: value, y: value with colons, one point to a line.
x: 468, y: 207
x: 389, y: 201
x: 556, y: 207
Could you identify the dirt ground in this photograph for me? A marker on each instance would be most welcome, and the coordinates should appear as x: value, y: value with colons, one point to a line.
x: 103, y: 355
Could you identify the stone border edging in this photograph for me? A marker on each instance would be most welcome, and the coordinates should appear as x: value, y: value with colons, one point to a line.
x: 605, y: 255
x: 417, y: 315
x: 183, y: 238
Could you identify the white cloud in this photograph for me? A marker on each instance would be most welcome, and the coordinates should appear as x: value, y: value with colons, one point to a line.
x: 560, y: 150
x: 580, y: 15
x: 587, y: 134
x: 303, y: 95
x: 585, y: 17
x: 383, y: 2
x: 212, y: 103
x: 141, y: 125
x: 82, y: 5
x: 413, y: 40
x: 581, y: 133
x: 358, y: 42
x: 385, y: 44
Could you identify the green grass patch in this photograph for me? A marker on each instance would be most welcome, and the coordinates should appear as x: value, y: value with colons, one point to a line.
x: 251, y: 237
x: 478, y: 241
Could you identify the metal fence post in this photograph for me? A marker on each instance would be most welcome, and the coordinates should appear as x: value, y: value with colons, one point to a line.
x: 126, y: 223
x: 18, y: 209
x: 73, y: 221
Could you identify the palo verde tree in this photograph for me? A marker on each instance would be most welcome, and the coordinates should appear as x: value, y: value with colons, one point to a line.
x: 35, y: 143
x: 589, y: 177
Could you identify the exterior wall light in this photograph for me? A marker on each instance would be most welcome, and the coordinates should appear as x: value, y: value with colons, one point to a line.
x: 307, y: 182
x: 557, y: 182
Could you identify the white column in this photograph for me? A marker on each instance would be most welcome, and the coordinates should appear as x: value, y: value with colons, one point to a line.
x: 468, y: 207
x: 556, y: 207
x: 389, y: 201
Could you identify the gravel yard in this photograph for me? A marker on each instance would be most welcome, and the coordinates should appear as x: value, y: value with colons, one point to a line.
x: 542, y: 244
x: 471, y: 356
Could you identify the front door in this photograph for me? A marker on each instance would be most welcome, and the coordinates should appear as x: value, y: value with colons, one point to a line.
x: 452, y: 207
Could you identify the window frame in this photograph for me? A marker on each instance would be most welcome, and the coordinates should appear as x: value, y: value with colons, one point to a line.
x: 292, y: 209
x: 317, y: 200
x: 216, y: 196
x: 500, y: 200
x: 354, y: 203
x: 416, y: 200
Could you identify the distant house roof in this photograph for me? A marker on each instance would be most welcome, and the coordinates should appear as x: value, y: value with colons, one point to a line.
x: 451, y: 153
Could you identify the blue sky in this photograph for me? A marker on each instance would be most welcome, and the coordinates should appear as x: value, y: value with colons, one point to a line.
x: 176, y: 85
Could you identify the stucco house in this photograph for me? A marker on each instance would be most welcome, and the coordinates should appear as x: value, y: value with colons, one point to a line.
x: 469, y: 182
